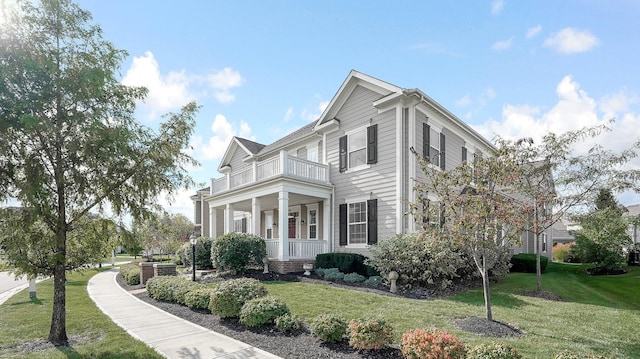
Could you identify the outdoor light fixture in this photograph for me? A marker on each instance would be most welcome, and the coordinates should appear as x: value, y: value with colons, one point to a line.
x: 193, y: 240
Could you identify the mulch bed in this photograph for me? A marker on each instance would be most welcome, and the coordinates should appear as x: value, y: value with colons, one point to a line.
x: 302, y: 344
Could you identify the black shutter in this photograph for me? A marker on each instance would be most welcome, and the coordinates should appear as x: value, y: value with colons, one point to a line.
x: 343, y: 153
x: 464, y: 154
x: 372, y: 221
x: 442, y: 151
x: 343, y: 224
x: 426, y: 141
x: 372, y: 144
x: 244, y: 225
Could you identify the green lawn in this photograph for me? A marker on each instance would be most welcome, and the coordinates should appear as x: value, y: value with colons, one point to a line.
x: 24, y: 321
x: 600, y: 314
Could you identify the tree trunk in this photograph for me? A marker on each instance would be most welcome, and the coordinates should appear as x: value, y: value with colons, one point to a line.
x: 538, y: 266
x: 58, y: 330
x: 485, y: 287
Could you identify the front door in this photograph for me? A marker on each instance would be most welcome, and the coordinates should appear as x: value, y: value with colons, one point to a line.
x: 292, y: 228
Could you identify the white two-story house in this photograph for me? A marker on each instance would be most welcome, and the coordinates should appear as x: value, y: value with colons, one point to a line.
x: 341, y: 183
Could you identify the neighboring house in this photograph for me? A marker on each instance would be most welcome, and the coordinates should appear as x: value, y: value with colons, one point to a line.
x: 341, y: 183
x: 633, y: 215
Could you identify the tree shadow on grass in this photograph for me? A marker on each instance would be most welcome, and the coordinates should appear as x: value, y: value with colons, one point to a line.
x: 498, y: 299
x: 35, y: 301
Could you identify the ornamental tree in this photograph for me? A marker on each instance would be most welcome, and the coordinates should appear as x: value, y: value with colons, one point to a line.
x: 69, y: 142
x: 471, y: 204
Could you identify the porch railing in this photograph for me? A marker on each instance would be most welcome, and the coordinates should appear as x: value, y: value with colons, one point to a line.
x: 282, y: 165
x: 298, y: 248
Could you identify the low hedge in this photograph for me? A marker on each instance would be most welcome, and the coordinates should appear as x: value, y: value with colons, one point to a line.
x: 526, y: 263
x: 346, y: 262
x: 130, y: 273
x: 170, y: 288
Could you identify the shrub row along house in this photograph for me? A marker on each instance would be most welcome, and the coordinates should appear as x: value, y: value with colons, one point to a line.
x: 343, y: 182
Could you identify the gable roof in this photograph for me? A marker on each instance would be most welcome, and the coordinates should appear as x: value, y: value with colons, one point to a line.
x: 249, y: 147
x: 294, y: 136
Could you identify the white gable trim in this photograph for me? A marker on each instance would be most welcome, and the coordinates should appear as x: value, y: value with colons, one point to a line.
x: 231, y: 149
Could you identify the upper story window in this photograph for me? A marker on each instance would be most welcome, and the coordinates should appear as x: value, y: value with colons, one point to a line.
x: 433, y: 145
x: 359, y: 148
x: 312, y: 153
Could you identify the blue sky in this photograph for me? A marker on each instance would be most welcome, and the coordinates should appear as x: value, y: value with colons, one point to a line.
x: 261, y: 69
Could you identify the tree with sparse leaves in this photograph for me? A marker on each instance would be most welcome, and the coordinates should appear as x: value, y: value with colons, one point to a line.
x: 163, y: 233
x: 569, y: 170
x: 69, y: 142
x: 471, y: 204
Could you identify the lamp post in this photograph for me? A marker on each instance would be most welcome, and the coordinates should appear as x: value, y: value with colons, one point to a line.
x: 193, y: 239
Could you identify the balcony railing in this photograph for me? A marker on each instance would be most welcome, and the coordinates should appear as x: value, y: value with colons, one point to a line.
x: 282, y: 165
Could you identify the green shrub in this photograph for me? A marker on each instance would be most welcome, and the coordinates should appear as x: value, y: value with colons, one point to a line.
x: 130, y: 273
x: 561, y: 251
x: 493, y: 351
x: 236, y: 251
x: 170, y: 288
x: 369, y: 334
x: 184, y: 254
x: 353, y: 278
x: 328, y: 327
x: 333, y: 274
x: 346, y: 262
x: 203, y: 253
x: 423, y: 260
x: 229, y: 296
x: 288, y: 323
x: 320, y: 272
x: 374, y: 281
x: 262, y: 311
x: 431, y: 344
x: 526, y: 263
x: 198, y: 298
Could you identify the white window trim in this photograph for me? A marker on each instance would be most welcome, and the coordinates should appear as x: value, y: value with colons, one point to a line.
x: 365, y: 165
x: 312, y: 207
x: 436, y: 127
x: 350, y: 200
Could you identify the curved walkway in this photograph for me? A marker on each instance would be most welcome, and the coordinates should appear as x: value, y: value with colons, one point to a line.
x: 169, y: 335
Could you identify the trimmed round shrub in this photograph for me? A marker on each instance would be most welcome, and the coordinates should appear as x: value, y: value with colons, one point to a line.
x: 320, y: 272
x: 374, y: 281
x: 333, y: 274
x: 288, y: 323
x: 229, y: 296
x: 526, y: 263
x: 262, y: 311
x: 431, y: 344
x: 493, y: 351
x: 203, y: 253
x: 353, y: 278
x: 328, y: 327
x: 130, y: 273
x: 170, y: 288
x: 198, y: 298
x: 236, y: 251
x: 346, y: 262
x: 369, y: 334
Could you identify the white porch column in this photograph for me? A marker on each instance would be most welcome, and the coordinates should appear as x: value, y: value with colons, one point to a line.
x: 255, y: 216
x: 283, y: 225
x: 213, y: 225
x: 228, y: 219
x: 326, y: 224
x: 399, y: 161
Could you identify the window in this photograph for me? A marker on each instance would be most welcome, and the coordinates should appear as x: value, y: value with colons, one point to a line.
x: 268, y: 225
x: 312, y: 154
x: 359, y: 148
x: 240, y: 225
x: 433, y: 214
x: 433, y: 145
x: 358, y: 223
x: 312, y: 218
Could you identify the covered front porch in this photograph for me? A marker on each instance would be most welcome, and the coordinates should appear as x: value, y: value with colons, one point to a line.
x: 292, y: 216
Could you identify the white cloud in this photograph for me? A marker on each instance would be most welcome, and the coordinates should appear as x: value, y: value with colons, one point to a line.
x: 571, y: 41
x: 166, y: 92
x: 502, y: 45
x: 573, y: 110
x: 223, y: 130
x: 464, y: 101
x: 533, y: 31
x: 224, y: 80
x: 289, y: 114
x: 497, y: 6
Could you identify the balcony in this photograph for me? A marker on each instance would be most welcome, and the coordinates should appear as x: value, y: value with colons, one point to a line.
x: 282, y: 165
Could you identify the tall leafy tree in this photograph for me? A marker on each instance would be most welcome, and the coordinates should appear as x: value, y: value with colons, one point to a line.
x: 472, y: 204
x: 564, y: 172
x: 69, y: 142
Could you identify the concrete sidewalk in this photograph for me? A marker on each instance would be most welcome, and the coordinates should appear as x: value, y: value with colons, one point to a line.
x: 169, y: 335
